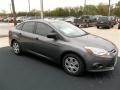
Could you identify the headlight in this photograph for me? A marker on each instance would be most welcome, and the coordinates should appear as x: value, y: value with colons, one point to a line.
x: 97, y: 51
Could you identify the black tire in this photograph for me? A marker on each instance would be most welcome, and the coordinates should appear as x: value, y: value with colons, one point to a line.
x: 119, y: 27
x: 80, y: 65
x: 98, y: 27
x: 108, y: 27
x: 19, y: 51
x: 87, y: 25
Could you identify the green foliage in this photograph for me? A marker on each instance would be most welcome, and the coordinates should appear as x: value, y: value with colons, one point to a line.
x: 100, y: 9
x: 103, y: 9
x: 63, y: 12
x: 90, y: 10
x: 117, y: 9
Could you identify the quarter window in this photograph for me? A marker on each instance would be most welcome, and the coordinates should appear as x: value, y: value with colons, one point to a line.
x: 19, y: 27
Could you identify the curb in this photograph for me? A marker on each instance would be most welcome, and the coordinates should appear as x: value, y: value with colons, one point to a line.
x: 1, y: 36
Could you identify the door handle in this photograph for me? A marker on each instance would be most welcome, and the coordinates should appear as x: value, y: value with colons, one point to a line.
x: 36, y: 38
x: 20, y: 33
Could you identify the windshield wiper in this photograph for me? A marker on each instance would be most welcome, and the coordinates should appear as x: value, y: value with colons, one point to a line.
x: 80, y: 35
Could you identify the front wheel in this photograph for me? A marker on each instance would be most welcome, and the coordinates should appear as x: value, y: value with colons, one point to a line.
x: 73, y: 65
x: 16, y: 48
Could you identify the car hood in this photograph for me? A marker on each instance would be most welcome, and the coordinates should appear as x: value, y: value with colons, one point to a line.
x: 93, y: 41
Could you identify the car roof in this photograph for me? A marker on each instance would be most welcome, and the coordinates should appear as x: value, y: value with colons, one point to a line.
x: 45, y: 20
x: 48, y: 21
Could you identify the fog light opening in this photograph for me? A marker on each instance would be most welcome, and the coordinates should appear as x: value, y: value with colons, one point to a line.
x: 98, y: 66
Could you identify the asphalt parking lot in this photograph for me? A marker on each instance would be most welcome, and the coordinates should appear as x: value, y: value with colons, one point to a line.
x: 30, y: 72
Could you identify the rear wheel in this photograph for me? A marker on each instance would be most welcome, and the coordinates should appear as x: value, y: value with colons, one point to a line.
x: 73, y: 65
x: 118, y: 27
x: 109, y: 27
x: 16, y: 48
x: 98, y: 27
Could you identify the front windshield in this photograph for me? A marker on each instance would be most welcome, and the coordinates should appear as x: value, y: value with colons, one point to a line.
x: 103, y: 19
x: 68, y: 29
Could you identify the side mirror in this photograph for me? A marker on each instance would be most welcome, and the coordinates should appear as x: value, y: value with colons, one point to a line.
x: 52, y: 35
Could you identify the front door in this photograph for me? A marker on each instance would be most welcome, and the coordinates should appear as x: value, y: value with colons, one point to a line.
x: 46, y: 46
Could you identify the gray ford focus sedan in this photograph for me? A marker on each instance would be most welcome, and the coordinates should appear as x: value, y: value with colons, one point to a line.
x: 74, y: 49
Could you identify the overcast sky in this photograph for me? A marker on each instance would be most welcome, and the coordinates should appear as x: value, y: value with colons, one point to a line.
x: 22, y: 5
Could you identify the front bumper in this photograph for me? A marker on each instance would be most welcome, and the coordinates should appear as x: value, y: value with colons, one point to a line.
x: 100, y: 64
x: 103, y: 24
x: 103, y: 70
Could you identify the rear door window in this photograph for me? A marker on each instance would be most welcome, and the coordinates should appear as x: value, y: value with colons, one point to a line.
x: 29, y: 27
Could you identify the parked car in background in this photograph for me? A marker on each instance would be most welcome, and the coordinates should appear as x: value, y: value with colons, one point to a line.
x: 113, y: 19
x: 104, y: 22
x: 8, y: 19
x: 21, y: 19
x: 64, y: 44
x: 25, y: 18
x: 118, y: 24
x: 85, y: 21
x: 70, y: 20
x: 60, y: 18
x: 5, y: 19
x: 49, y: 18
x: 1, y: 19
x: 97, y: 16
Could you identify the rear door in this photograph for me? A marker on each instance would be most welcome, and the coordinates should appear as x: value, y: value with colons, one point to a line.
x: 27, y: 35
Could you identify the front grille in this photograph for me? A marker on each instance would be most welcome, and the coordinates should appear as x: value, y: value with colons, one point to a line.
x: 113, y: 62
x: 113, y: 51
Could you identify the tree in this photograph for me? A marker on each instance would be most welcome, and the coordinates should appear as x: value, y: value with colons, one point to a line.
x: 117, y: 9
x: 102, y: 9
x: 78, y: 11
x: 90, y: 10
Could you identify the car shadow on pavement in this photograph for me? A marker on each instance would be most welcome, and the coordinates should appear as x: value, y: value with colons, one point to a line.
x: 87, y: 74
x: 103, y: 28
x: 6, y: 51
x: 41, y: 59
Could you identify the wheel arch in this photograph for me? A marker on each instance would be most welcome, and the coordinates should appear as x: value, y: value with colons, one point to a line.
x: 12, y: 41
x: 72, y: 52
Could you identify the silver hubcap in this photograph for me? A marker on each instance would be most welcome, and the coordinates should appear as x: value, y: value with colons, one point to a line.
x: 72, y: 65
x: 16, y: 48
